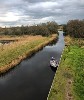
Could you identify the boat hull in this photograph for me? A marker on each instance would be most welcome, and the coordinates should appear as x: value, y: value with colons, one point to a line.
x: 53, y: 64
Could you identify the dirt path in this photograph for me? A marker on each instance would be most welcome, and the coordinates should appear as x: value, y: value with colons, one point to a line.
x: 68, y: 92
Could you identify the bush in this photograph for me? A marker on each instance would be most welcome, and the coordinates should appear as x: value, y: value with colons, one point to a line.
x: 44, y: 29
x: 75, y: 28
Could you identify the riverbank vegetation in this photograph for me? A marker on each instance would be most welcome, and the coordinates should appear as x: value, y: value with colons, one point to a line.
x: 44, y: 29
x: 24, y: 41
x: 68, y: 82
x: 13, y: 53
x: 74, y: 28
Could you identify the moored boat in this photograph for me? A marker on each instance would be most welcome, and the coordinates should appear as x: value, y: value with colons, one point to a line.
x: 53, y: 63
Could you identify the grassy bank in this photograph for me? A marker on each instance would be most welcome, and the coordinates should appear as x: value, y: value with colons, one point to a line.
x: 68, y: 82
x: 13, y: 53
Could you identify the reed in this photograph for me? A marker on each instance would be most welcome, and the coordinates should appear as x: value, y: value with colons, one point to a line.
x: 13, y: 53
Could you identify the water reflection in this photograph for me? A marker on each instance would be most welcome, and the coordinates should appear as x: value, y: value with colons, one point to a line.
x: 32, y: 78
x: 53, y: 42
x: 11, y: 71
x: 7, y: 41
x: 53, y: 69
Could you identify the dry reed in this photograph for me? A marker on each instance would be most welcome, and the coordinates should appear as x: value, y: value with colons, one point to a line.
x: 13, y: 53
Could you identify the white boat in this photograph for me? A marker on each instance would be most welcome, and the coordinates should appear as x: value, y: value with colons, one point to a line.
x: 53, y: 63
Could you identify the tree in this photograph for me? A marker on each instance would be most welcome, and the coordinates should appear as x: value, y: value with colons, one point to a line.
x: 6, y: 31
x: 75, y: 28
x: 43, y: 29
x: 52, y: 27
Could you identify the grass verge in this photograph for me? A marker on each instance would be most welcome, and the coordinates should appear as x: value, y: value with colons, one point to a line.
x: 68, y: 82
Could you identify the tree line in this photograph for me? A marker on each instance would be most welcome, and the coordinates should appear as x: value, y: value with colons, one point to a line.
x: 74, y: 28
x: 44, y: 29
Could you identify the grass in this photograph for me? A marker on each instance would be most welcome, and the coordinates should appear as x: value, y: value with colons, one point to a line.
x: 11, y: 54
x: 68, y: 82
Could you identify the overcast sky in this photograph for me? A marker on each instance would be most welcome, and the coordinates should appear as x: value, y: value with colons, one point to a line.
x: 27, y: 12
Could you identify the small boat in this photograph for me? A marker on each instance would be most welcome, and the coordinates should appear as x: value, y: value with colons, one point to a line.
x: 53, y: 63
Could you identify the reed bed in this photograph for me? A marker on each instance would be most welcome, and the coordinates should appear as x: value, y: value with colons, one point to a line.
x: 13, y: 53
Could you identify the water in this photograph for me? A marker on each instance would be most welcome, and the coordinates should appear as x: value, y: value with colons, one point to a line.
x: 32, y: 78
x: 6, y: 41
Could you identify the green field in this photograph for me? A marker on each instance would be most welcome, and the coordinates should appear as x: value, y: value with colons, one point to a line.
x: 68, y: 83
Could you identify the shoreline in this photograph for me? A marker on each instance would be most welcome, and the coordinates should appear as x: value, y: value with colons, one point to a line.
x: 63, y: 86
x: 15, y: 62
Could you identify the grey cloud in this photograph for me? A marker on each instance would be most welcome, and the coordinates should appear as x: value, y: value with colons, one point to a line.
x: 37, y: 1
x: 34, y: 11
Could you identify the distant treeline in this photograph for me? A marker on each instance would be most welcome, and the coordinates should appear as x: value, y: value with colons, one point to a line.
x: 74, y: 28
x: 44, y: 29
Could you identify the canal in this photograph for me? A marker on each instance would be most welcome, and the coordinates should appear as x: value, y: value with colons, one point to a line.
x: 32, y: 78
